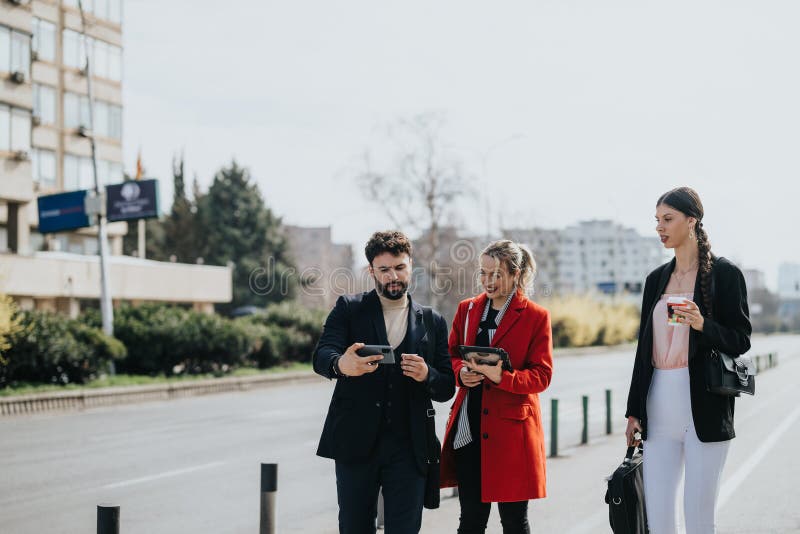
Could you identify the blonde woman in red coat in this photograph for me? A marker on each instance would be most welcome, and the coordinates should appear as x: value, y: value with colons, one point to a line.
x: 493, y: 448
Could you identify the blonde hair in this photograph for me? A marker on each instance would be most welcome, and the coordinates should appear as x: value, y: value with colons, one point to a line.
x: 517, y: 259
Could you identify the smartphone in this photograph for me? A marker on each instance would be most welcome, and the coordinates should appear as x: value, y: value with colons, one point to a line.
x: 372, y: 350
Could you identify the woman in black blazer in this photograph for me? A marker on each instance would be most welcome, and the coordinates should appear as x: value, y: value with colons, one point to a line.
x: 693, y: 304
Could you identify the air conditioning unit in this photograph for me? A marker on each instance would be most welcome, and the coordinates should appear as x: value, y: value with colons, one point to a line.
x: 21, y: 155
x: 36, y: 120
x: 84, y: 131
x: 18, y: 77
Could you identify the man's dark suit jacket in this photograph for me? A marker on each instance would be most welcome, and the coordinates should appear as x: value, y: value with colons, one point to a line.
x: 354, y: 416
x: 729, y: 332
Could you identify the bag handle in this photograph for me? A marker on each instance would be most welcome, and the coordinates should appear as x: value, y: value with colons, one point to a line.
x: 631, y: 451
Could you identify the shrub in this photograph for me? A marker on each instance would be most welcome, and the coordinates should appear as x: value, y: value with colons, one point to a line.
x: 172, y: 340
x: 292, y: 332
x: 55, y: 349
x: 581, y: 320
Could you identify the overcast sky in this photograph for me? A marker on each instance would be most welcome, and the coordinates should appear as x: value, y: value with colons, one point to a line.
x: 607, y: 105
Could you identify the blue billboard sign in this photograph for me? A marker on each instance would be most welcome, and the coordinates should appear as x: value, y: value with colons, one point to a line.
x: 63, y: 211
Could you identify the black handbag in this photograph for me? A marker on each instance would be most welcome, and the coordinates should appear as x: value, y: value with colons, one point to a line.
x: 625, y: 495
x: 432, y: 477
x: 729, y: 375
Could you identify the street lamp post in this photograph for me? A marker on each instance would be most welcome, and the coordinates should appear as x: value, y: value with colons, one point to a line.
x: 98, y: 201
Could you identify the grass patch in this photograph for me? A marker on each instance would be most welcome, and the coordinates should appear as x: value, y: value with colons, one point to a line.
x: 23, y: 388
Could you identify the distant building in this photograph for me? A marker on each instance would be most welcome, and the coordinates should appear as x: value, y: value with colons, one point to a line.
x: 789, y: 281
x: 754, y: 279
x: 592, y: 256
x: 789, y: 294
x: 325, y: 269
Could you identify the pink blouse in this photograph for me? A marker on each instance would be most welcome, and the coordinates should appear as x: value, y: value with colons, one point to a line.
x: 670, y: 343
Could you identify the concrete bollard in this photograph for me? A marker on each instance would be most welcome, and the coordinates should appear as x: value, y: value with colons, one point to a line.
x: 107, y: 519
x: 553, y: 428
x: 269, y: 489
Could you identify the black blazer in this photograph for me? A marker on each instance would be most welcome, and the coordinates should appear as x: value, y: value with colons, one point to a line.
x: 729, y: 331
x: 354, y: 416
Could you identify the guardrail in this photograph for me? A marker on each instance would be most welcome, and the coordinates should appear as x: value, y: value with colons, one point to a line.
x: 763, y: 362
x: 80, y: 399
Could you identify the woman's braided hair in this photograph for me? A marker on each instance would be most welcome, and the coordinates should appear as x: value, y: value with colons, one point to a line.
x: 687, y: 201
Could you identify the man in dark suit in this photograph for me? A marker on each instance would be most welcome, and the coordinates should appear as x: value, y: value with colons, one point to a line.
x: 377, y: 424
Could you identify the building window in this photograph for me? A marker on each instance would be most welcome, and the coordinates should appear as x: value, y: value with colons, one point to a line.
x: 77, y: 173
x: 44, y: 104
x: 44, y: 167
x: 5, y: 44
x: 115, y: 122
x: 15, y: 51
x: 5, y: 128
x: 21, y: 53
x: 115, y: 63
x: 102, y: 9
x: 20, y: 130
x: 101, y: 118
x: 107, y: 117
x: 106, y: 58
x: 74, y: 55
x: 115, y: 11
x: 44, y: 40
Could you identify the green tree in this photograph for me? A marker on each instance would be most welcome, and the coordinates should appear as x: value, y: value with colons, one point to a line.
x: 237, y: 227
x: 180, y: 236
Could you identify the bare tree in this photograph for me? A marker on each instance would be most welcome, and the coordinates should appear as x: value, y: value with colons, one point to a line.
x: 419, y: 189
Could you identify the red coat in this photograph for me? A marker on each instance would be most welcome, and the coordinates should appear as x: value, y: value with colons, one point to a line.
x: 512, y: 451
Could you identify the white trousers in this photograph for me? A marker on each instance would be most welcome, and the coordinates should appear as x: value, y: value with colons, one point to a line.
x: 671, y: 444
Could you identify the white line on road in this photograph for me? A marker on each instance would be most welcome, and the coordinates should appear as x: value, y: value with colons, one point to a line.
x: 165, y: 474
x: 733, y: 483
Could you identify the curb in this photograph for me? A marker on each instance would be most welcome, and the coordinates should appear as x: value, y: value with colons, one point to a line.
x: 80, y: 399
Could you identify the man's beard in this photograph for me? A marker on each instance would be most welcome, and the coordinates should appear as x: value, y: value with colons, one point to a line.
x: 395, y: 293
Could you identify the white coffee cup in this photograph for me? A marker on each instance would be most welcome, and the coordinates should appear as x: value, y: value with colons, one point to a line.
x: 674, y: 304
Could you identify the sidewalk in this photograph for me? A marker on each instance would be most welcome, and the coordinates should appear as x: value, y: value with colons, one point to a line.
x: 576, y: 487
x: 759, y: 487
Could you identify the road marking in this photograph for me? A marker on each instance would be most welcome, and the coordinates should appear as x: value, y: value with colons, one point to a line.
x: 733, y: 483
x: 165, y: 474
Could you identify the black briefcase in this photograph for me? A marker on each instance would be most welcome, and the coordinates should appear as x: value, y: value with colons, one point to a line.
x: 625, y: 496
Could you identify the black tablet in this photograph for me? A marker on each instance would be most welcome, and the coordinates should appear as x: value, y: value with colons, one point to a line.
x: 485, y: 355
x: 372, y: 350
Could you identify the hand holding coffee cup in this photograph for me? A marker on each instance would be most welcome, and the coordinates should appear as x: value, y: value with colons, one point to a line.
x: 674, y: 306
x: 684, y: 312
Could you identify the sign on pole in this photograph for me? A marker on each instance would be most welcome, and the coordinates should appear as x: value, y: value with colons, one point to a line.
x: 63, y: 211
x: 132, y: 200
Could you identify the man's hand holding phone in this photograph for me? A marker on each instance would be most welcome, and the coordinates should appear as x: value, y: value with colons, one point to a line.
x: 351, y: 364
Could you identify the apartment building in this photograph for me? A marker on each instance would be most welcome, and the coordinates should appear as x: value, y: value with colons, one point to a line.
x: 45, y: 148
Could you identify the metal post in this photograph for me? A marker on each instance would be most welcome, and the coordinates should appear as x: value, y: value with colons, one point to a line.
x: 585, y: 433
x: 107, y: 519
x: 771, y: 360
x: 608, y: 411
x: 381, y: 516
x: 106, y: 309
x: 269, y: 487
x: 758, y: 364
x: 553, y: 428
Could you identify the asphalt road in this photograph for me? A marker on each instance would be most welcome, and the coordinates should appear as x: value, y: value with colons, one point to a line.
x: 192, y: 465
